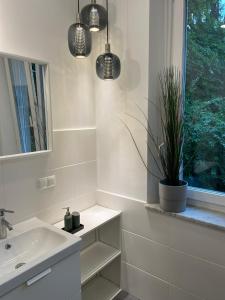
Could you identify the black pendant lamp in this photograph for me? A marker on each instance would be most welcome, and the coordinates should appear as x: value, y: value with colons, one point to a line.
x: 108, y: 65
x: 79, y: 38
x: 94, y: 16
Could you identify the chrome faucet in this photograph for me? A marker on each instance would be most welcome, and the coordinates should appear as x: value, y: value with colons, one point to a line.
x: 4, y: 224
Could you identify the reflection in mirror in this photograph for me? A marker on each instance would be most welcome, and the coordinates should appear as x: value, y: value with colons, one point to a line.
x: 23, y: 113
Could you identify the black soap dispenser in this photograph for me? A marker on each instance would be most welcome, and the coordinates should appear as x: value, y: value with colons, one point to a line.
x: 68, y: 220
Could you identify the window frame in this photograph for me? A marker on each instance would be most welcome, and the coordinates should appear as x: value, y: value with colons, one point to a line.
x: 176, y: 28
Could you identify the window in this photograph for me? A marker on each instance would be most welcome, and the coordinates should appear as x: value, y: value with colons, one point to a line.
x: 204, y: 149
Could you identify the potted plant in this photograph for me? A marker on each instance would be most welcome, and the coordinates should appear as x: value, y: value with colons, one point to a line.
x: 172, y: 190
x: 168, y: 154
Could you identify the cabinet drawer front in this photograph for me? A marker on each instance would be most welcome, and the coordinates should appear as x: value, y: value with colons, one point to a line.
x: 62, y: 283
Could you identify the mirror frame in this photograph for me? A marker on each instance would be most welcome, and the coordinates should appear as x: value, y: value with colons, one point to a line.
x: 47, y: 108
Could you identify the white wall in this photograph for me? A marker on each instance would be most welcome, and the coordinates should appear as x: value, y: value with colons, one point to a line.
x: 38, y: 29
x: 119, y: 167
x: 163, y: 258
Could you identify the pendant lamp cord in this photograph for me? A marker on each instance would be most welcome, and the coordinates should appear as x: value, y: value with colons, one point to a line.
x: 78, y: 6
x: 107, y: 8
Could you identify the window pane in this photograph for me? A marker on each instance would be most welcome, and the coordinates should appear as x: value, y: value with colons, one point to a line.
x: 204, y: 149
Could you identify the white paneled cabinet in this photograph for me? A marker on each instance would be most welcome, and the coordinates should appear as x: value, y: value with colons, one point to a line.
x: 59, y: 282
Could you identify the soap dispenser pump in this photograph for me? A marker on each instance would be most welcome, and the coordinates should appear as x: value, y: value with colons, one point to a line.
x: 68, y: 220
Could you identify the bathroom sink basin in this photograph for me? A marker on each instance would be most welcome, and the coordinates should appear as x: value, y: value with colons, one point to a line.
x: 32, y: 245
x: 22, y: 249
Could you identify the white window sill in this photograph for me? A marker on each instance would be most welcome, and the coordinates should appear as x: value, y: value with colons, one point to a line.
x: 197, y: 215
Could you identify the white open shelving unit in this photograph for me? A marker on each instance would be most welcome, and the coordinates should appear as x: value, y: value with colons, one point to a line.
x: 101, y: 289
x: 100, y: 254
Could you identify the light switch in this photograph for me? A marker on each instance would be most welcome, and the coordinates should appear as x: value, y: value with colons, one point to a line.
x: 42, y: 183
x: 46, y: 182
x: 51, y: 181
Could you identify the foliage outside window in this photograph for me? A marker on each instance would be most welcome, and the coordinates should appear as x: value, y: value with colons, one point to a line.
x: 204, y: 149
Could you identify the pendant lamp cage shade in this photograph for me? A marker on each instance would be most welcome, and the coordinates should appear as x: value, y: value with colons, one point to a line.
x: 94, y: 16
x: 79, y: 38
x: 108, y: 66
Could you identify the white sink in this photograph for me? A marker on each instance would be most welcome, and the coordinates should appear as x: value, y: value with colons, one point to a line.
x: 26, y: 247
x: 31, y: 244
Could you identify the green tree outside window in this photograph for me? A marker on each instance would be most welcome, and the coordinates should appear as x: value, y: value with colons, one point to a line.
x: 204, y: 149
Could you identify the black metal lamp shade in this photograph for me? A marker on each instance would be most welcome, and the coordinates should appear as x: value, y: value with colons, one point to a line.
x: 94, y: 16
x: 108, y: 65
x: 79, y: 40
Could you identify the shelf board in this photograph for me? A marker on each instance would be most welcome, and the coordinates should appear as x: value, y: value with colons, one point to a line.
x: 93, y: 218
x: 100, y: 289
x: 95, y: 258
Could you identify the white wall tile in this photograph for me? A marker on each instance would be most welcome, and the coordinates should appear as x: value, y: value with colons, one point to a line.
x: 54, y: 213
x: 71, y: 182
x: 146, y: 254
x: 64, y: 190
x: 136, y: 218
x: 197, y: 241
x: 21, y: 192
x: 71, y: 147
x: 178, y: 294
x: 72, y: 90
x: 2, y: 197
x: 142, y: 285
x: 196, y: 276
x: 119, y: 164
x: 84, y: 178
x: 137, y: 55
x: 20, y: 185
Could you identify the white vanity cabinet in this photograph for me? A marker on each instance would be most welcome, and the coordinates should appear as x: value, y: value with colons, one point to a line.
x: 58, y: 282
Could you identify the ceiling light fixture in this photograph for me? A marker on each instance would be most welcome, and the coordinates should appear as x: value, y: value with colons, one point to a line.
x: 108, y: 65
x: 94, y: 16
x: 79, y: 38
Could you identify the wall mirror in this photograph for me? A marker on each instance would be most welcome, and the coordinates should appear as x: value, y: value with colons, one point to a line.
x: 25, y: 118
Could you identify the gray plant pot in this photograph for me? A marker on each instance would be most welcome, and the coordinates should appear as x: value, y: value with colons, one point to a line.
x: 173, y: 198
